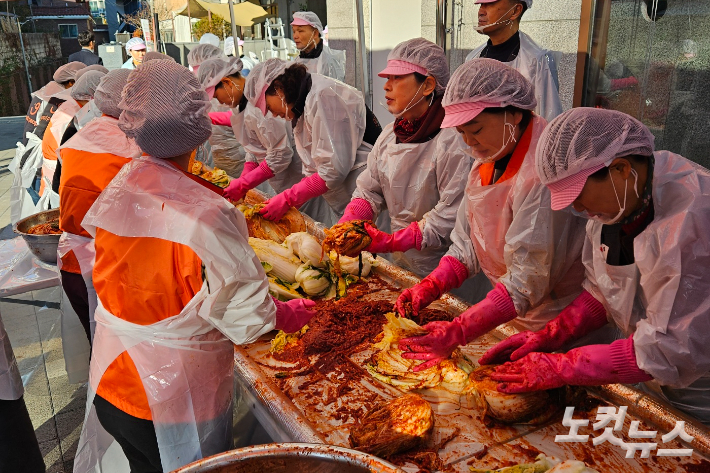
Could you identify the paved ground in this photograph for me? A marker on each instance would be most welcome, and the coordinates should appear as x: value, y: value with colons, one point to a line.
x: 32, y: 321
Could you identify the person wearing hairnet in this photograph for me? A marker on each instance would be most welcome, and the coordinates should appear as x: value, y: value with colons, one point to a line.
x: 171, y: 304
x: 200, y: 54
x: 89, y: 160
x: 135, y: 47
x: 210, y: 38
x: 416, y: 151
x: 500, y: 21
x: 333, y: 129
x: 307, y: 32
x: 505, y: 226
x: 647, y: 265
x: 155, y: 55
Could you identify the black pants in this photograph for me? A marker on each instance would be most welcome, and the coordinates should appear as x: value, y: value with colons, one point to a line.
x: 135, y: 436
x: 75, y: 287
x: 19, y: 450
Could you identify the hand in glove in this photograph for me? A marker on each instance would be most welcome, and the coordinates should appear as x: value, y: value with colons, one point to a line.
x: 238, y: 188
x: 450, y: 274
x: 584, y: 315
x: 591, y: 365
x: 357, y: 209
x: 309, y: 188
x: 401, y: 240
x: 291, y: 316
x: 444, y: 337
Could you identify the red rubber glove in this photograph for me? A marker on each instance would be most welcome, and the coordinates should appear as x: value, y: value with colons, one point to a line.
x: 450, y: 274
x: 401, y: 240
x: 221, y: 118
x: 592, y: 365
x: 238, y: 188
x: 357, y: 209
x: 291, y: 316
x: 584, y: 315
x: 444, y: 337
x: 309, y: 188
x: 249, y: 166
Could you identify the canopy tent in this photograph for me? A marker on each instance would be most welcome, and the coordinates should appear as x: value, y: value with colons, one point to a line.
x: 245, y: 14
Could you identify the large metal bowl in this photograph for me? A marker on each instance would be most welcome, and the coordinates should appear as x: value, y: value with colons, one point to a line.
x: 291, y: 458
x: 43, y: 247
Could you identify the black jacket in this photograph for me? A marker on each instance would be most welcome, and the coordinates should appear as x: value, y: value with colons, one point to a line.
x: 87, y: 57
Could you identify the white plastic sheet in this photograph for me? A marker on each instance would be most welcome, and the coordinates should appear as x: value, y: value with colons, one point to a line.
x: 21, y: 272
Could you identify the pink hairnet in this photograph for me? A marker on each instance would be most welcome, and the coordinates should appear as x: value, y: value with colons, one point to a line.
x: 213, y: 70
x: 108, y: 93
x: 309, y: 18
x: 260, y: 78
x: 85, y: 86
x: 583, y: 140
x: 203, y: 52
x: 425, y: 54
x: 68, y: 72
x: 165, y: 109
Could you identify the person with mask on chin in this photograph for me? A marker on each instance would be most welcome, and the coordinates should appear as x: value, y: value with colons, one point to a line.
x: 646, y: 261
x: 505, y: 226
x: 314, y: 53
x: 500, y: 21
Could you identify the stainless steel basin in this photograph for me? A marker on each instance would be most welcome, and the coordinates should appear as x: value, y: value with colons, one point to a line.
x: 43, y: 247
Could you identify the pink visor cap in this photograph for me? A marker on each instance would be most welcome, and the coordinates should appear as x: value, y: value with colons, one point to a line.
x: 210, y: 91
x: 461, y: 113
x: 261, y: 103
x: 302, y: 22
x: 565, y: 191
x: 395, y: 67
x: 528, y: 3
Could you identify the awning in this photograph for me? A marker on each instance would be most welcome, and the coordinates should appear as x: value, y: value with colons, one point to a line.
x: 245, y: 14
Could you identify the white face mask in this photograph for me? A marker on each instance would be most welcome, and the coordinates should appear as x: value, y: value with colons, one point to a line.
x: 479, y: 29
x: 508, y: 129
x: 622, y: 208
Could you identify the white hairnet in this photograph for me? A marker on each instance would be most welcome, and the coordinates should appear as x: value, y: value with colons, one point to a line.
x: 108, y: 93
x: 584, y: 138
x: 202, y: 53
x: 426, y: 54
x: 261, y: 77
x: 68, y: 72
x: 229, y: 48
x: 491, y: 82
x: 209, y: 38
x: 164, y: 109
x: 135, y: 43
x: 310, y: 18
x: 85, y: 85
x: 213, y: 70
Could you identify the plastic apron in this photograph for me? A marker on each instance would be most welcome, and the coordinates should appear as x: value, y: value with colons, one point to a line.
x: 24, y: 202
x: 227, y: 151
x: 511, y: 221
x: 191, y: 406
x: 539, y: 66
x: 10, y: 380
x: 330, y: 63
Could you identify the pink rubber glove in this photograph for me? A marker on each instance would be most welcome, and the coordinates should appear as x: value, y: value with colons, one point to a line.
x: 249, y: 166
x: 301, y: 192
x: 221, y: 118
x: 401, y: 240
x: 238, y: 188
x: 584, y: 315
x: 592, y: 365
x: 357, y: 209
x: 291, y: 316
x: 450, y: 274
x: 444, y: 337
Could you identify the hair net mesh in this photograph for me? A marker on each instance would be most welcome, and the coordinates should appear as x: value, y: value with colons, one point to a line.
x: 153, y: 55
x: 85, y: 86
x: 93, y: 67
x: 108, y: 93
x: 203, y: 52
x: 68, y: 71
x: 261, y: 77
x: 164, y: 109
x: 425, y: 54
x: 229, y: 46
x: 311, y: 18
x: 583, y: 138
x: 489, y: 81
x: 210, y: 38
x: 213, y: 70
x: 134, y: 43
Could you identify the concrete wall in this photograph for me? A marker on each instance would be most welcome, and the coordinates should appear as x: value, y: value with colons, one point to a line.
x: 39, y: 48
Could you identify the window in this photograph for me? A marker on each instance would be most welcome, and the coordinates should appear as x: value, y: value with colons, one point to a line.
x: 68, y: 31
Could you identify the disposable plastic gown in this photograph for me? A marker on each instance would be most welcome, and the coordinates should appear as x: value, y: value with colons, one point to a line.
x: 329, y: 138
x: 540, y: 68
x: 508, y: 231
x: 663, y: 297
x: 418, y: 182
x: 331, y: 63
x: 10, y: 381
x: 185, y: 361
x: 227, y: 152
